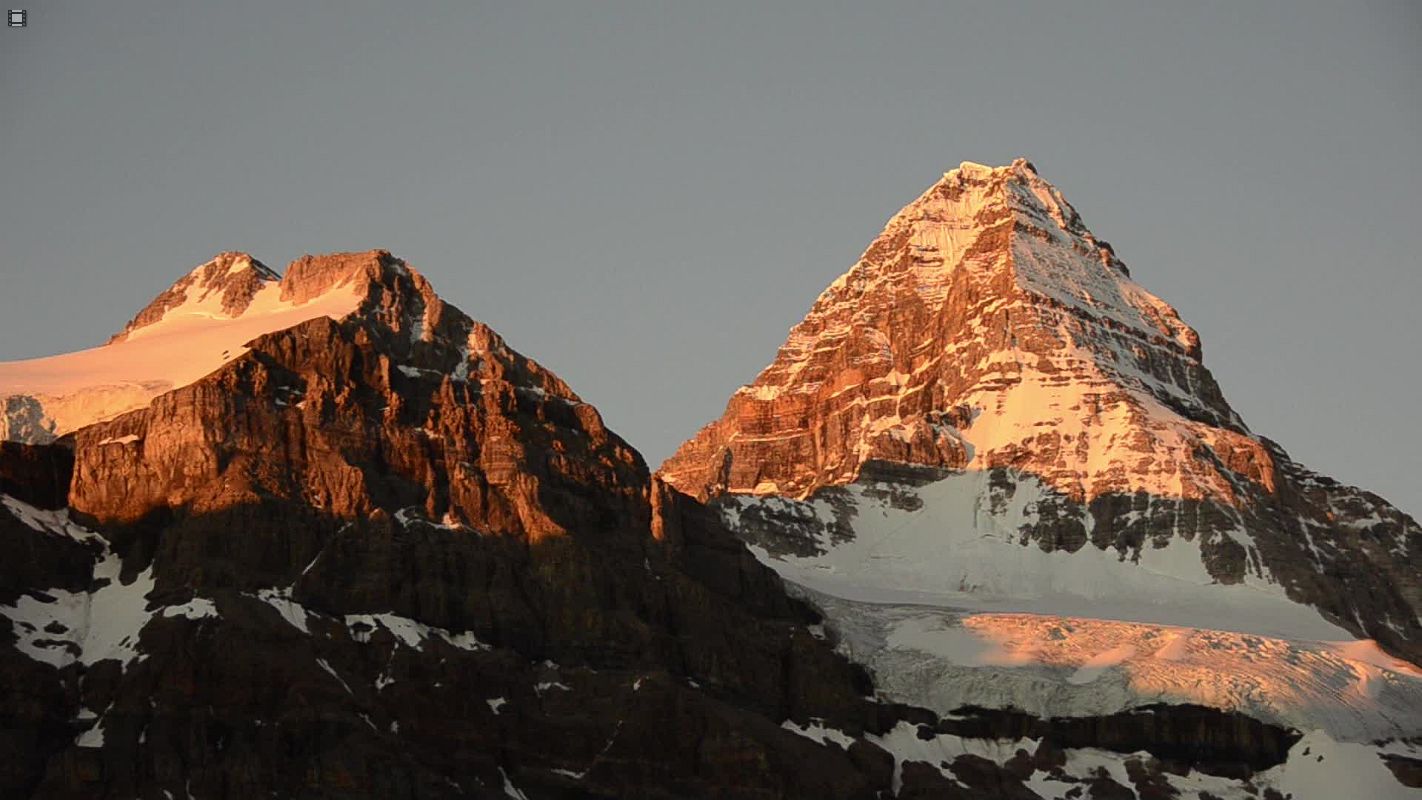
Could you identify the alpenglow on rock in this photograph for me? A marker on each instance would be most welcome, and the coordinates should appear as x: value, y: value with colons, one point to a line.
x: 1037, y: 425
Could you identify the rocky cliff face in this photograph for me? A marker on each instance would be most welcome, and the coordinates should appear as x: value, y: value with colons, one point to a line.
x: 988, y: 331
x: 405, y: 405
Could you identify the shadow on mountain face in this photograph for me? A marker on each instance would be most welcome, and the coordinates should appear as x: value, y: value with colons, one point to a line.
x: 375, y: 659
x: 385, y: 657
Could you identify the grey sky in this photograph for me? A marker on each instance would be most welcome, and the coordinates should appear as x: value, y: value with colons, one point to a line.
x: 645, y: 197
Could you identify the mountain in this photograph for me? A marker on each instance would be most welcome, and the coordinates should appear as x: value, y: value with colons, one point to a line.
x: 375, y: 552
x: 1001, y: 468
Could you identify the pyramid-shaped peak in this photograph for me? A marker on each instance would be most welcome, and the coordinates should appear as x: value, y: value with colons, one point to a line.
x: 1008, y: 222
x: 984, y: 314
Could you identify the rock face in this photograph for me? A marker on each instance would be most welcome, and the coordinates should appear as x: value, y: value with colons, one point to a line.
x: 987, y: 331
x: 405, y: 405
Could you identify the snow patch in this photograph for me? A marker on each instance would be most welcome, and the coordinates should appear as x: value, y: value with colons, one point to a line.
x: 94, y: 736
x: 1053, y: 665
x: 129, y: 439
x: 330, y: 670
x: 961, y: 548
x: 509, y: 789
x: 816, y: 730
x: 1335, y: 769
x: 87, y: 627
x: 279, y: 598
x: 56, y: 523
x: 408, y: 632
x: 196, y: 608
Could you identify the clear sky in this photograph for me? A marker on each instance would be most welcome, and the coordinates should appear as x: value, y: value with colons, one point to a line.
x: 646, y: 196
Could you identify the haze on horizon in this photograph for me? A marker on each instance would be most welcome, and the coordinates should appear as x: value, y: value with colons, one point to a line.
x: 645, y: 198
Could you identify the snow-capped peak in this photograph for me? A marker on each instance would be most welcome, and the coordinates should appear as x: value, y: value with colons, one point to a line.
x: 201, y: 322
x: 984, y: 317
x: 211, y: 315
x: 220, y: 288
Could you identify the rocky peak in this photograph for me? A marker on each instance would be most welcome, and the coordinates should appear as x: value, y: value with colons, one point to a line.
x: 379, y: 529
x: 222, y: 286
x: 388, y: 291
x: 402, y: 404
x: 985, y: 326
x: 399, y: 305
x: 206, y: 320
x: 314, y: 275
x: 344, y: 343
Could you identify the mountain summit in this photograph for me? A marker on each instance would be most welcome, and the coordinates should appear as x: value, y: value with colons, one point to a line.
x: 221, y: 288
x: 985, y: 327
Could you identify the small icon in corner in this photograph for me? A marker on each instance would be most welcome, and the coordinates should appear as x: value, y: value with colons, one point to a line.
x: 16, y: 18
